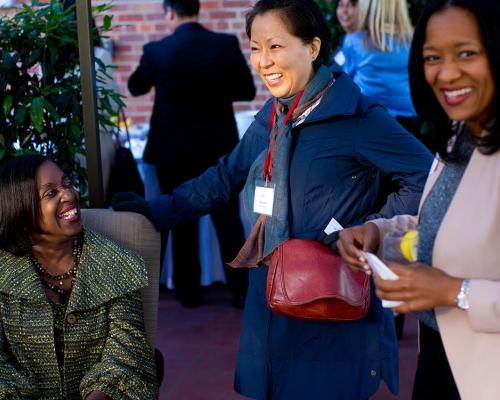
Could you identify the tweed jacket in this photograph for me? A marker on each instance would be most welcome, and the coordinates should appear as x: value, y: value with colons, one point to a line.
x: 105, y: 345
x: 466, y: 246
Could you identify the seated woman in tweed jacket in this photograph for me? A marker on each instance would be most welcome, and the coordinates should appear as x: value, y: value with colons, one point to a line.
x: 71, y: 316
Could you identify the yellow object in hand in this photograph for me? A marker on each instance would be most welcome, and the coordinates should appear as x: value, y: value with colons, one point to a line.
x: 409, y: 244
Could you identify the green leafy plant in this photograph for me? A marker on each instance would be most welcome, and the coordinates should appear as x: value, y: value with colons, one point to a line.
x: 40, y: 89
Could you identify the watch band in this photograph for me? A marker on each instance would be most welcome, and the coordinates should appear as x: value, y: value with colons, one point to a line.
x: 462, y: 298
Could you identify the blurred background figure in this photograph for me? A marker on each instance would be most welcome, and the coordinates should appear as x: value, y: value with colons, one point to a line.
x: 376, y: 57
x: 347, y: 16
x: 197, y: 75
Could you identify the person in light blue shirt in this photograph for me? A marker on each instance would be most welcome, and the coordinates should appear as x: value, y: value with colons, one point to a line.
x: 376, y: 56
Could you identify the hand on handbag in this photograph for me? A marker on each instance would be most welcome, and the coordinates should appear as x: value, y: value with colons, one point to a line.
x: 130, y: 201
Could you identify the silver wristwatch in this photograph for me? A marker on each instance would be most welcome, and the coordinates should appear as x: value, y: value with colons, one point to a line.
x: 462, y: 299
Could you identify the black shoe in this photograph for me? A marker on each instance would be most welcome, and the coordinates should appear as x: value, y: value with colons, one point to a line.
x: 239, y: 301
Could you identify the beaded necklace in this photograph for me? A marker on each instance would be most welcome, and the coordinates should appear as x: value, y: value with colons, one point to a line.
x: 72, y: 272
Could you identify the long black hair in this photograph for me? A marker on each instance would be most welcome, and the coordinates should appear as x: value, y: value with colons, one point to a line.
x: 19, y: 203
x: 487, y: 14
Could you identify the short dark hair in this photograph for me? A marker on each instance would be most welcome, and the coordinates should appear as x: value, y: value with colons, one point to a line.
x: 183, y: 8
x: 487, y: 14
x: 19, y: 203
x: 303, y: 19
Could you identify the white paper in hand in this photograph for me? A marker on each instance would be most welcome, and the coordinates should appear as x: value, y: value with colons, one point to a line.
x: 385, y: 273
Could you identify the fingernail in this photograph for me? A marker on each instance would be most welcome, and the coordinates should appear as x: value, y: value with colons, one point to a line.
x: 368, y: 272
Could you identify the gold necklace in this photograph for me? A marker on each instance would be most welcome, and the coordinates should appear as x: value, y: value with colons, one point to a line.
x: 72, y: 272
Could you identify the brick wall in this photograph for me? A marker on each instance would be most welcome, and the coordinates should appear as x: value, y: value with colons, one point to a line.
x: 143, y: 21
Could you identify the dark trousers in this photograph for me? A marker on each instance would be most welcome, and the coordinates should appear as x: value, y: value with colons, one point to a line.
x: 433, y: 378
x: 185, y: 247
x: 186, y: 257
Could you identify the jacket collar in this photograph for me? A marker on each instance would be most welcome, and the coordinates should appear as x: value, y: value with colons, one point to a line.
x: 107, y: 270
x: 189, y: 26
x: 18, y: 277
x: 341, y: 99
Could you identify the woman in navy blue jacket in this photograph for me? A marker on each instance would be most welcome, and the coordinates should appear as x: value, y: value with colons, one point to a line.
x: 331, y: 145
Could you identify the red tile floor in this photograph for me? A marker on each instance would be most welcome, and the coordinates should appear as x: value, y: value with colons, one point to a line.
x: 200, y: 347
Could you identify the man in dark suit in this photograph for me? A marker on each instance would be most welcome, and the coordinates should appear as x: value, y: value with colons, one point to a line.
x: 197, y: 74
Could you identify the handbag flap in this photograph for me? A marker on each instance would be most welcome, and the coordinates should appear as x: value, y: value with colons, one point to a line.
x: 311, y: 271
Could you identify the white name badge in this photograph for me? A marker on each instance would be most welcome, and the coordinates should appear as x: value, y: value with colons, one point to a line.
x: 263, y: 199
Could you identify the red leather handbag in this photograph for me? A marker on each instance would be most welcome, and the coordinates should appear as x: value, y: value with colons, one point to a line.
x: 308, y: 281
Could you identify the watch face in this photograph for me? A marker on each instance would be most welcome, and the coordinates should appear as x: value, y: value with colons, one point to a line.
x: 463, y: 302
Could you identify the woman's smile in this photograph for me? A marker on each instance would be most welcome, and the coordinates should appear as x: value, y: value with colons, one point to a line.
x: 274, y: 79
x: 455, y: 96
x: 71, y: 214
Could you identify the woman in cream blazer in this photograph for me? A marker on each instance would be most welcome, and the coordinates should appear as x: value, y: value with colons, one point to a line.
x: 455, y: 285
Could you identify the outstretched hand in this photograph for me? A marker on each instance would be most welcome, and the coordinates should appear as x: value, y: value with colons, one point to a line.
x: 130, y: 201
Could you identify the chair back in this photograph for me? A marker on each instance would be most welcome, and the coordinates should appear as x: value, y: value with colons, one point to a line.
x: 137, y: 233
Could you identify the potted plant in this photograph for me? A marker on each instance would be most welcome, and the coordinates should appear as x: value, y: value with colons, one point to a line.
x: 40, y: 89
